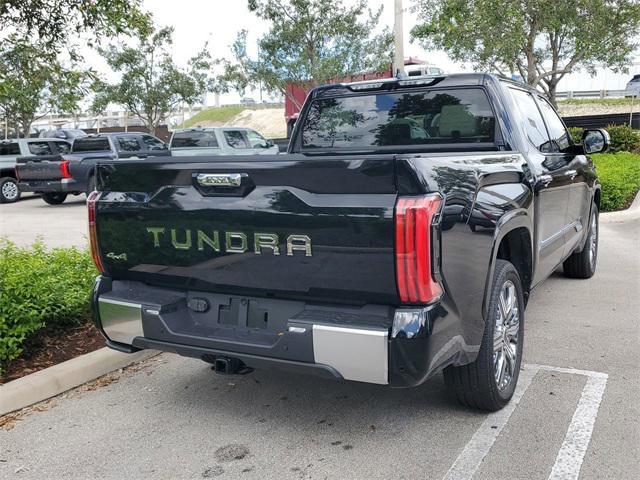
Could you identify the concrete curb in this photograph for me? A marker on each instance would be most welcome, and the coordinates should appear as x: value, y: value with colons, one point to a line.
x: 52, y: 381
x: 631, y: 213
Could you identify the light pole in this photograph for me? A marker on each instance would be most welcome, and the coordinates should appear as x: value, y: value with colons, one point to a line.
x: 398, y: 34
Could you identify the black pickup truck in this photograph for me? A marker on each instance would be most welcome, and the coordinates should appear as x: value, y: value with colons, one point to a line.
x: 400, y: 236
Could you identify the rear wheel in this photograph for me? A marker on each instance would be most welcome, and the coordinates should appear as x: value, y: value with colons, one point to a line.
x: 489, y: 382
x: 583, y: 264
x: 55, y: 198
x: 9, y: 191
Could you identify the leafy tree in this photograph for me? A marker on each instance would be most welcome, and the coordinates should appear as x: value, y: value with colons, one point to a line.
x: 542, y: 40
x: 34, y: 83
x: 54, y: 22
x: 310, y: 41
x: 151, y: 85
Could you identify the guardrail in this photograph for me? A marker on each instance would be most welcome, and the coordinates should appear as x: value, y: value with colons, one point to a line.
x: 590, y: 94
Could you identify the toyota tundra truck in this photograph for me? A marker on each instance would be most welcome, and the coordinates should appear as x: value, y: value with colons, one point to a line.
x: 400, y: 236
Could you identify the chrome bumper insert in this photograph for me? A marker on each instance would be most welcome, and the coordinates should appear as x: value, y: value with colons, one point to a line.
x: 121, y: 321
x: 356, y: 353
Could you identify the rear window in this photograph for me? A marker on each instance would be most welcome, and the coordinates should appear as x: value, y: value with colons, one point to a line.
x: 90, y: 145
x: 9, y: 148
x: 392, y: 119
x: 194, y: 140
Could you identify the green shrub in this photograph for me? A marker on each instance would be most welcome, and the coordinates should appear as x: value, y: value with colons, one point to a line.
x: 576, y: 133
x: 41, y: 288
x: 619, y: 175
x: 624, y: 138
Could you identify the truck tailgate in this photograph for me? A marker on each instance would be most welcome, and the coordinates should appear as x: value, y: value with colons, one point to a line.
x: 317, y: 228
x: 41, y: 167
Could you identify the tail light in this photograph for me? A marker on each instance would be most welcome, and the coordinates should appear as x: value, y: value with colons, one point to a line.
x: 64, y: 169
x: 93, y: 238
x: 414, y: 244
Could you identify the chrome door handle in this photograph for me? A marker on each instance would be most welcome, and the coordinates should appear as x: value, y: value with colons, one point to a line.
x: 571, y: 173
x: 545, y: 179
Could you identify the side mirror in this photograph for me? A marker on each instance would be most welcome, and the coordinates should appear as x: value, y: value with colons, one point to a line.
x: 270, y: 143
x: 595, y: 141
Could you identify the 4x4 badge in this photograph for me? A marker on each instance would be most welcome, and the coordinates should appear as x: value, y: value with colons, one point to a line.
x: 113, y: 256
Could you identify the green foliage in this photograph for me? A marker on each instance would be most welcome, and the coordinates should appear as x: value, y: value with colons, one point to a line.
x: 151, y: 85
x: 311, y: 41
x: 624, y: 138
x: 619, y: 175
x: 41, y: 288
x: 608, y: 102
x: 542, y: 40
x: 56, y: 23
x: 34, y: 81
x: 220, y: 114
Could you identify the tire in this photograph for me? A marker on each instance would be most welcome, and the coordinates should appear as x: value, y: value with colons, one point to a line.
x: 91, y: 185
x: 9, y: 191
x: 583, y: 264
x: 55, y: 198
x: 475, y: 385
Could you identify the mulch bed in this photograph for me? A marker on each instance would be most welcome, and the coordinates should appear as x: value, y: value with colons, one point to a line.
x: 52, y: 347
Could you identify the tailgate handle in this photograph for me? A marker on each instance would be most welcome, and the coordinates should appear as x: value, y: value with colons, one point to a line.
x: 220, y: 179
x: 223, y: 184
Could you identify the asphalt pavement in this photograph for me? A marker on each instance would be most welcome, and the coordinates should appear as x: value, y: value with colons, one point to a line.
x: 577, y: 414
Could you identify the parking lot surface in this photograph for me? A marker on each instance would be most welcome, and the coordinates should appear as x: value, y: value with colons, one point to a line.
x: 576, y: 413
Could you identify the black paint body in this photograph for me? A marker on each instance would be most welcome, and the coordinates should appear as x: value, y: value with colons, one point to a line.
x: 495, y: 205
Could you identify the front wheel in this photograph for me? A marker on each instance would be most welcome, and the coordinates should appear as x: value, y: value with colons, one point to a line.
x: 489, y: 382
x: 9, y: 191
x: 583, y: 264
x: 54, y: 198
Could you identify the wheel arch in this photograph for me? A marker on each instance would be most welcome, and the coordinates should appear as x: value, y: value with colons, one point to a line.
x: 513, y: 242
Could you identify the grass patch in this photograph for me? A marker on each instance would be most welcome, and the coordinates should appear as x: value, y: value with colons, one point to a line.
x: 597, y: 101
x: 619, y: 175
x: 41, y: 288
x: 219, y: 114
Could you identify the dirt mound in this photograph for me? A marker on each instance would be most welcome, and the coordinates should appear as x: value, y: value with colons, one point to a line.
x: 267, y: 121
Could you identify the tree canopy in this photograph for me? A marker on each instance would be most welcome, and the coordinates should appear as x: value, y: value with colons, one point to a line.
x: 151, y: 85
x: 34, y: 82
x: 311, y: 41
x: 541, y: 40
x: 53, y: 22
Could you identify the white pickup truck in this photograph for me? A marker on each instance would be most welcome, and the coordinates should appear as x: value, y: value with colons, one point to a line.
x: 220, y: 141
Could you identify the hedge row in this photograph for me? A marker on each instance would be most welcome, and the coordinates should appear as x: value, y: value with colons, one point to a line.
x: 41, y: 288
x: 619, y: 175
x: 623, y: 138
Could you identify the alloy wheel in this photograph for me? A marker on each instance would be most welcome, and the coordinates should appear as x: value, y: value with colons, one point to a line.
x: 505, y: 336
x: 10, y: 190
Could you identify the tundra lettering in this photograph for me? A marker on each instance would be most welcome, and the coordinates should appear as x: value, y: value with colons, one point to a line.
x: 436, y: 205
x: 235, y: 242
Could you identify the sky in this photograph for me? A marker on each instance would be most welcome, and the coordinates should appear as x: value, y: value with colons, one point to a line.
x: 217, y: 22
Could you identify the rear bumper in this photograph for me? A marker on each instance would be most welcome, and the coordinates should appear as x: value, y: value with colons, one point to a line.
x: 373, y: 344
x: 65, y: 185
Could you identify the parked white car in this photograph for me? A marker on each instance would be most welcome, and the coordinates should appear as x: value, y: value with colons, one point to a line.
x: 633, y: 87
x: 13, y: 148
x: 220, y: 141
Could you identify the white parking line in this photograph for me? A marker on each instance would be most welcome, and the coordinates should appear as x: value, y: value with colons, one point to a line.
x: 574, y: 447
x: 474, y: 452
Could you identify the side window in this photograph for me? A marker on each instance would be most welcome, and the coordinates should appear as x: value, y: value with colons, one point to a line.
x: 63, y: 147
x: 256, y: 140
x: 128, y: 144
x: 533, y: 124
x: 7, y: 148
x: 152, y: 143
x: 557, y: 131
x: 40, y: 148
x: 235, y: 139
